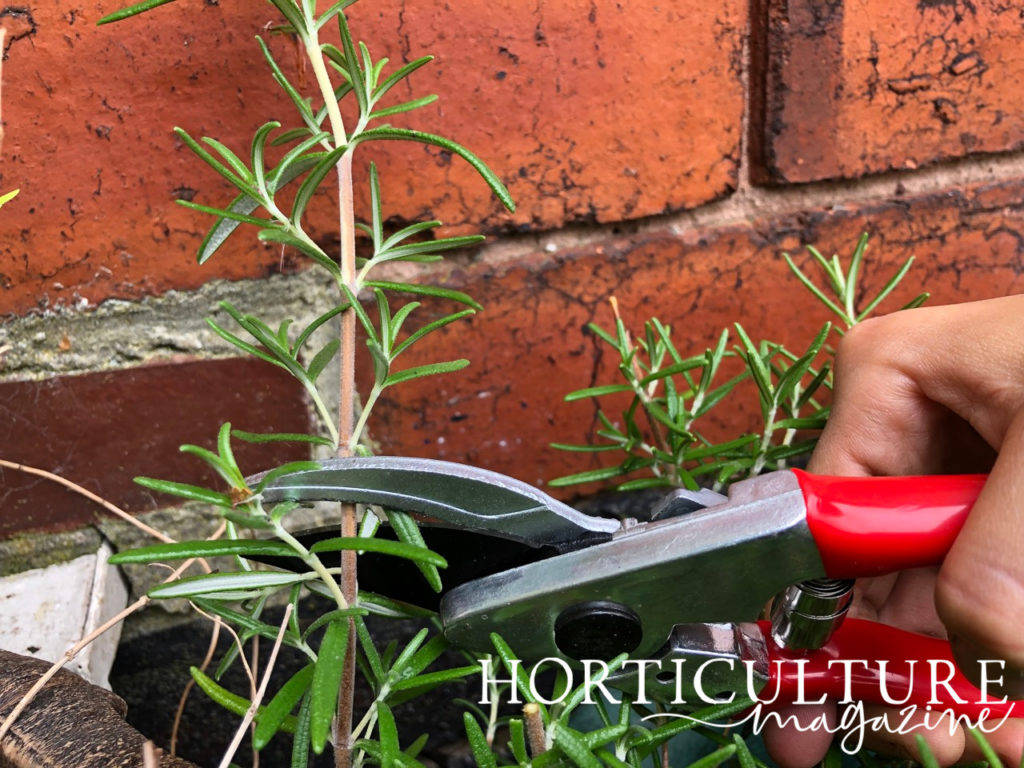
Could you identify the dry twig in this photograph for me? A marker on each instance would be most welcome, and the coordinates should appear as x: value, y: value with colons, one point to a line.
x: 183, y: 699
x: 141, y: 602
x: 238, y: 644
x: 260, y: 692
x: 113, y: 509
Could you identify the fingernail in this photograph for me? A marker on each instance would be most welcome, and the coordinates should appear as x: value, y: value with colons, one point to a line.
x: 1000, y: 678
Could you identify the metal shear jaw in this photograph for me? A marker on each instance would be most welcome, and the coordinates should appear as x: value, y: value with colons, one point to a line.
x: 719, y: 565
x: 614, y: 587
x: 457, y: 495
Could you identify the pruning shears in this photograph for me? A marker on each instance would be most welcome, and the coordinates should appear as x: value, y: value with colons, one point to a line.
x: 683, y: 586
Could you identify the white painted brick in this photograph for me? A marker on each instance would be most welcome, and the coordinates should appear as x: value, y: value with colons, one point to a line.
x: 43, y: 612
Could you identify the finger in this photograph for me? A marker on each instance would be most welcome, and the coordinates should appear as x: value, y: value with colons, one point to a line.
x: 917, y: 388
x: 969, y: 358
x: 870, y: 596
x: 881, y: 422
x: 802, y: 742
x: 1005, y: 739
x: 910, y: 603
x: 993, y: 676
x: 980, y: 590
x: 894, y: 733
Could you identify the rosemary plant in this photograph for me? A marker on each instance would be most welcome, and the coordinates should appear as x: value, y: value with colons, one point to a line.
x: 658, y: 436
x: 316, y: 704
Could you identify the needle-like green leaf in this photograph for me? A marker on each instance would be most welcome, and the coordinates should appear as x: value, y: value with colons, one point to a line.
x: 333, y: 616
x: 300, y: 744
x: 571, y: 743
x: 132, y: 10
x: 405, y: 106
x: 258, y: 150
x: 384, y: 546
x: 431, y: 369
x: 409, y: 534
x: 312, y: 182
x: 430, y: 328
x: 281, y: 706
x: 210, y: 584
x: 326, y: 681
x: 322, y: 358
x: 185, y: 491
x: 387, y: 729
x: 482, y: 754
x: 183, y: 550
x: 425, y: 290
x: 517, y: 741
x: 279, y: 437
x: 404, y: 134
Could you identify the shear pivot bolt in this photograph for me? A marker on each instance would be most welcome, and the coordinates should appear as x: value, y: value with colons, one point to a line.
x: 599, y: 630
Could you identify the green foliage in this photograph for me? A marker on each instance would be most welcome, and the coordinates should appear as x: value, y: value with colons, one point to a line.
x: 276, y: 179
x: 658, y: 439
x: 312, y: 150
x: 659, y: 436
x: 843, y: 284
x: 631, y: 735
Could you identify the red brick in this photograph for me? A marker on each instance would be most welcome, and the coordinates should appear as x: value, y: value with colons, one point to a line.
x: 529, y: 347
x: 589, y: 113
x: 889, y: 85
x: 88, y: 116
x: 102, y: 429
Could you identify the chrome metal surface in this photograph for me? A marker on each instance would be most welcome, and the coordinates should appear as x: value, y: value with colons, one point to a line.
x: 805, y: 615
x: 458, y: 495
x: 683, y: 501
x: 717, y: 658
x: 721, y: 564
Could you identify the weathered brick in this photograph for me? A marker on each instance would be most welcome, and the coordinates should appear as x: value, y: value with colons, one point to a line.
x: 529, y: 347
x: 102, y: 429
x: 853, y: 90
x: 589, y: 111
x: 88, y: 116
x: 582, y: 110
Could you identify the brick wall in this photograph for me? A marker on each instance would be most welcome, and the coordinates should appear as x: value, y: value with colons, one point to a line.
x: 664, y: 153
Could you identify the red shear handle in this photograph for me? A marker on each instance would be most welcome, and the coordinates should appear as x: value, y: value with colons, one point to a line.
x: 865, y: 661
x: 865, y: 526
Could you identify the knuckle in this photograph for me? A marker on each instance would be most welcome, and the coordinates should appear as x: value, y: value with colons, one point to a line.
x: 867, y: 340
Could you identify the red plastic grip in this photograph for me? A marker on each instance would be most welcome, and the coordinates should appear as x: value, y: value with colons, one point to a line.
x: 866, y: 526
x: 918, y: 671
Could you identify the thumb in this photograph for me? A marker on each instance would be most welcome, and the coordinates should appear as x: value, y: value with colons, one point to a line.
x: 796, y: 739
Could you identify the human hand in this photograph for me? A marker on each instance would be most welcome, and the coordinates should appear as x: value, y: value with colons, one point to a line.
x: 938, y: 390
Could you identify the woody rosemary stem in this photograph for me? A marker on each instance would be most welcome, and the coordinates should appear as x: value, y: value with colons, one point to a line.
x: 346, y: 405
x: 346, y: 424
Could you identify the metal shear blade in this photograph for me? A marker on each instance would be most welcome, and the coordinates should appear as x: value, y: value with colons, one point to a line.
x: 454, y: 494
x: 481, y: 522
